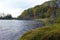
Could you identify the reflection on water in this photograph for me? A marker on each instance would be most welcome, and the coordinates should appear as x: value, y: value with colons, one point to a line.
x: 12, y: 29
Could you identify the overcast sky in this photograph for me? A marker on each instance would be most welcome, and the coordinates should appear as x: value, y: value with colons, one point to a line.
x: 16, y: 7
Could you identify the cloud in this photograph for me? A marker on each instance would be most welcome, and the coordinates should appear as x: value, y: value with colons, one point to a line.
x: 15, y: 7
x: 14, y: 12
x: 24, y: 3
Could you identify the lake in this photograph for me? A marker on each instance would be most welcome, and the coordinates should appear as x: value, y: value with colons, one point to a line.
x: 13, y: 29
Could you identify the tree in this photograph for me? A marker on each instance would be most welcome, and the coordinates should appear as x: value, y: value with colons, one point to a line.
x: 8, y: 16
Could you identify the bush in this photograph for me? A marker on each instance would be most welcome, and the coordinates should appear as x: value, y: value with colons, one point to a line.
x: 58, y: 20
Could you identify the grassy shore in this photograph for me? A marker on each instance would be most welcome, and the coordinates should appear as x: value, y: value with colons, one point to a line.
x: 45, y: 33
x: 48, y: 32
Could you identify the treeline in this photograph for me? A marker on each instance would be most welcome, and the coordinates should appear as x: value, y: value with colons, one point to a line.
x: 48, y: 9
x: 8, y: 16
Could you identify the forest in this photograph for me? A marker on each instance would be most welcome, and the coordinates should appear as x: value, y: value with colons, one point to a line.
x: 49, y: 9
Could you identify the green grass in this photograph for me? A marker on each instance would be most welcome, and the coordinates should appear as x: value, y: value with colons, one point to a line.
x: 48, y: 32
x: 51, y: 32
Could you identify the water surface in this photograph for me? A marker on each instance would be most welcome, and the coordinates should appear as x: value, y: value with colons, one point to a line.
x: 12, y: 29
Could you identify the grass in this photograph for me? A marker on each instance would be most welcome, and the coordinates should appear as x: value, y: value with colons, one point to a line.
x: 48, y: 32
x: 45, y: 33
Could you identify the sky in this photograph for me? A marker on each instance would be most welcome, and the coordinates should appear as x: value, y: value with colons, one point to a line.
x: 16, y: 7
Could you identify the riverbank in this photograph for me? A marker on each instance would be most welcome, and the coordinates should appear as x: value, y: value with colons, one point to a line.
x: 48, y: 32
x: 51, y: 32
